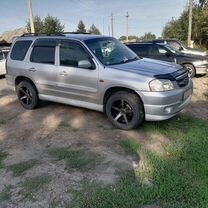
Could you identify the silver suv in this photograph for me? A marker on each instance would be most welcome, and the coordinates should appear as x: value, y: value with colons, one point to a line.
x: 98, y: 73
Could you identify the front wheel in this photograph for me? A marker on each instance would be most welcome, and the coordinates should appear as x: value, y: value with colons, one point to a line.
x: 124, y: 110
x: 27, y: 95
x: 191, y: 70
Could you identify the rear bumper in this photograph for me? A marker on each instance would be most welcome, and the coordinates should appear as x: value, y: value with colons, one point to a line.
x: 164, y: 105
x: 10, y: 81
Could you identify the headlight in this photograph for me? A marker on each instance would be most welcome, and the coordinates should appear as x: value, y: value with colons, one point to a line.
x: 159, y: 85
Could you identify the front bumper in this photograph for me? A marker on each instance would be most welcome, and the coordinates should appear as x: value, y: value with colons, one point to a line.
x: 164, y: 105
x: 201, y: 69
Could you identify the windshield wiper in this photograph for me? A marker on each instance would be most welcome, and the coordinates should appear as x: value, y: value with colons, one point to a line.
x: 129, y: 60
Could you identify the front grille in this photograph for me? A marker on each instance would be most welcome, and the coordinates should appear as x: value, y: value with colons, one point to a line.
x: 182, y: 78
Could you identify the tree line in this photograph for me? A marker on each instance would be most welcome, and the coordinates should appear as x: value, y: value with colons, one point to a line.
x: 51, y: 24
x: 178, y: 28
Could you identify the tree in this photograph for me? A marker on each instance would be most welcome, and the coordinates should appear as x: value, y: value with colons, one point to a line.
x: 203, y: 3
x: 48, y: 25
x: 52, y: 25
x: 179, y: 28
x: 81, y: 27
x: 94, y: 30
x: 148, y: 36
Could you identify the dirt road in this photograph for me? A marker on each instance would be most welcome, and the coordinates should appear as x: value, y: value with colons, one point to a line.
x: 27, y: 139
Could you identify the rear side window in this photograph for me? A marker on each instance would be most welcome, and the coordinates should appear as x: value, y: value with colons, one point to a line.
x: 19, y: 49
x: 140, y: 50
x: 44, y: 51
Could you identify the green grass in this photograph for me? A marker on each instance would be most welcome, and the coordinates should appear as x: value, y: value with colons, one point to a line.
x: 76, y: 159
x: 32, y: 185
x: 3, y: 156
x: 2, y: 123
x: 179, y: 179
x: 6, y: 193
x: 20, y: 168
x: 64, y: 124
x: 130, y: 146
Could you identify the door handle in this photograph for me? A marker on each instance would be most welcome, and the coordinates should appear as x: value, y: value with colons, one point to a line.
x: 63, y: 73
x: 32, y: 69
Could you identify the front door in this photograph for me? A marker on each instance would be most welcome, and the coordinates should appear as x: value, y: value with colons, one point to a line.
x: 75, y: 82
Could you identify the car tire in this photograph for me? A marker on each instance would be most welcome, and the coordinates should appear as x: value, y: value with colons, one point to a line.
x: 27, y: 95
x: 124, y: 110
x: 191, y: 70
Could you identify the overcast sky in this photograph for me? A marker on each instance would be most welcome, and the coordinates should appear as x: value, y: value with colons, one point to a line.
x: 144, y: 15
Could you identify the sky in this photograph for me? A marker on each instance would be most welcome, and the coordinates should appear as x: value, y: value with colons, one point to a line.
x: 144, y: 15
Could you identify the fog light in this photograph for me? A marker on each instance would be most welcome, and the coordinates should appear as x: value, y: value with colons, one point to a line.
x: 168, y: 110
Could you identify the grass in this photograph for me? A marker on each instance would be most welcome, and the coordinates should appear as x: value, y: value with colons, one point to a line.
x: 206, y: 94
x: 20, y: 168
x: 76, y: 159
x: 3, y: 156
x: 130, y: 146
x: 32, y: 185
x: 179, y: 179
x: 2, y: 123
x: 6, y: 193
x: 64, y: 124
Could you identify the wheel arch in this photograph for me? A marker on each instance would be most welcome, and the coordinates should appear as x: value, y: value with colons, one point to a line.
x: 113, y: 90
x: 23, y: 78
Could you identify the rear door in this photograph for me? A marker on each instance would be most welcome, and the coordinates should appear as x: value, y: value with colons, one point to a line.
x: 41, y: 66
x: 74, y: 82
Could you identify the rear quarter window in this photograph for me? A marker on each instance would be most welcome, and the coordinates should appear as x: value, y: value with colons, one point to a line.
x: 20, y: 49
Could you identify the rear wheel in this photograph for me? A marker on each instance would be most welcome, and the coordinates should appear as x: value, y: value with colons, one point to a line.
x: 124, y: 110
x: 191, y: 70
x: 27, y: 95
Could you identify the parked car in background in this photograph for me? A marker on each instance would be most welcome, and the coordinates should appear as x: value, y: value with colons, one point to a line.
x: 98, y: 73
x: 194, y: 64
x: 178, y: 45
x: 3, y: 55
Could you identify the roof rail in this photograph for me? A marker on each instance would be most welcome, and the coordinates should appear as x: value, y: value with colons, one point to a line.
x: 51, y: 34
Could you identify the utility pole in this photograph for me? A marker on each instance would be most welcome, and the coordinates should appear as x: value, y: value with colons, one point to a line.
x: 112, y: 22
x: 190, y: 22
x: 32, y: 28
x: 127, y: 27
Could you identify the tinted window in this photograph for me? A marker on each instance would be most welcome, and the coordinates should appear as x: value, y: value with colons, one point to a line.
x: 157, y: 51
x: 43, y: 52
x: 174, y: 44
x: 140, y: 50
x: 71, y: 53
x: 19, y: 49
x: 1, y: 56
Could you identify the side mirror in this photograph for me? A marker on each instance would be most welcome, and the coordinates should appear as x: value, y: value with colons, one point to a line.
x: 181, y: 48
x: 85, y: 64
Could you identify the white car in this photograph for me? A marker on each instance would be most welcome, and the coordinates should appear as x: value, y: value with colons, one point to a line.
x: 3, y: 54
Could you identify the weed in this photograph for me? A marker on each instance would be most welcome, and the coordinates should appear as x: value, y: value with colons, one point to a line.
x: 20, y: 168
x: 75, y: 159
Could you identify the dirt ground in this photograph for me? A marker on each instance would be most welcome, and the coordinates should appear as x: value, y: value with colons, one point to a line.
x: 29, y: 135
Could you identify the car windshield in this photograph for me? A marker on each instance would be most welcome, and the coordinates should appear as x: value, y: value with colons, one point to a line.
x: 110, y: 51
x: 173, y: 50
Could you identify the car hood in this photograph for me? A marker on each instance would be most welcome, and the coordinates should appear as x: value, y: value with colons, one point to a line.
x: 191, y: 57
x: 149, y: 67
x: 194, y: 51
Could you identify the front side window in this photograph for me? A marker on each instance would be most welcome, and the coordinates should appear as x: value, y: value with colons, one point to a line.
x: 71, y: 53
x: 43, y: 51
x: 110, y: 51
x: 1, y: 56
x: 19, y: 49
